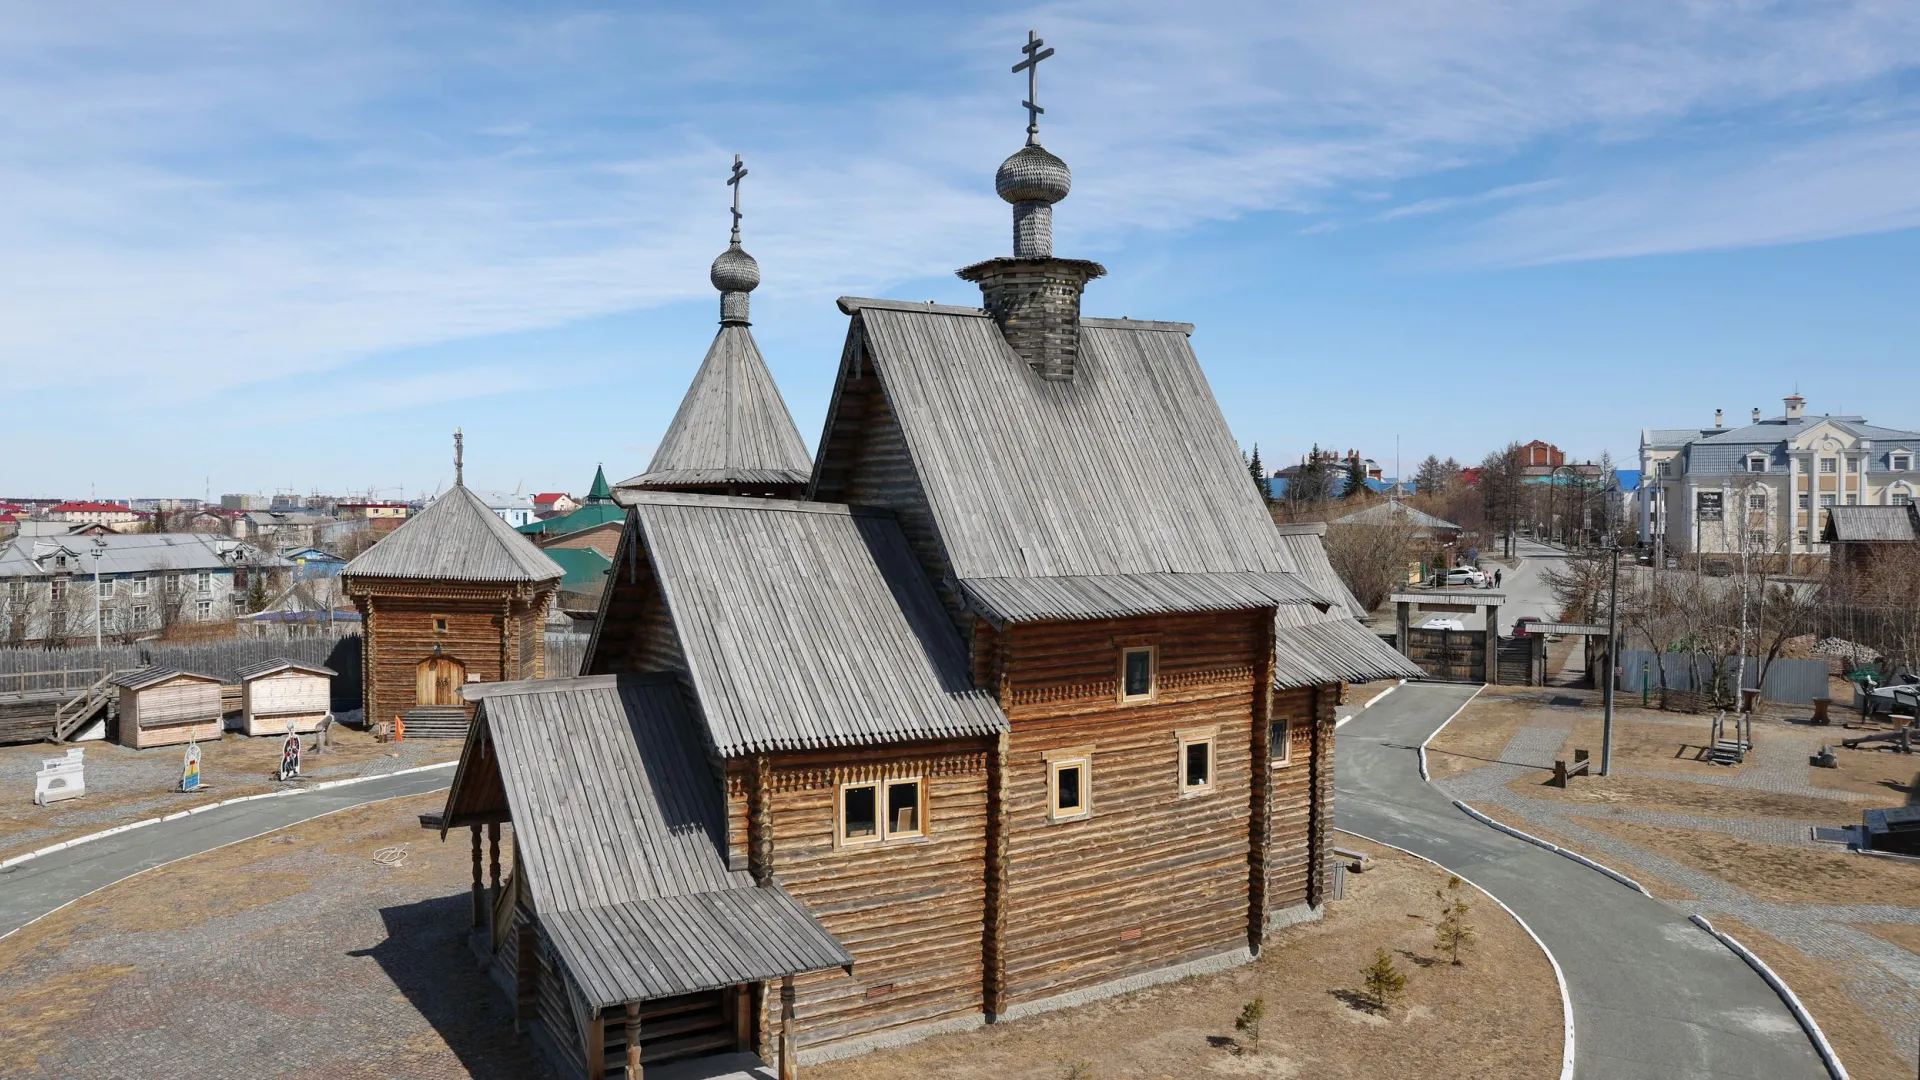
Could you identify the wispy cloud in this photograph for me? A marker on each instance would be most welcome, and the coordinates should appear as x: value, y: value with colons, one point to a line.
x: 239, y: 193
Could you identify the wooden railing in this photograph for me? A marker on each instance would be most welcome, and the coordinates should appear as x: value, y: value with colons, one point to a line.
x: 78, y: 711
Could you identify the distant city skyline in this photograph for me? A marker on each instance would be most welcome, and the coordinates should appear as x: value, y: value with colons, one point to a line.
x: 259, y: 248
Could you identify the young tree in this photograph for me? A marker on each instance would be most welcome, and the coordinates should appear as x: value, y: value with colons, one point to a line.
x: 1249, y: 1020
x: 1452, y: 931
x: 257, y: 592
x: 1259, y: 473
x: 1356, y: 485
x: 1384, y: 982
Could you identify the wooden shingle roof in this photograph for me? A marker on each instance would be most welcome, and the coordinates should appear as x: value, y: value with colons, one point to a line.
x: 732, y: 427
x: 1871, y: 523
x: 619, y: 821
x: 268, y: 667
x: 456, y: 538
x: 807, y: 625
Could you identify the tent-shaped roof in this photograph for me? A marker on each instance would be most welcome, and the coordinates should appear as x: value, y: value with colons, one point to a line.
x: 732, y: 428
x: 620, y: 822
x: 456, y: 538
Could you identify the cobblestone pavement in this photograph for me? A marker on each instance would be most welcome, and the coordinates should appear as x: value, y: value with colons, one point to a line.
x: 277, y: 957
x: 1882, y: 978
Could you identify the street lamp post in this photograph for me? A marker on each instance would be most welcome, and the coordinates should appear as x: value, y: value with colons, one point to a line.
x: 1613, y: 661
x: 98, y: 550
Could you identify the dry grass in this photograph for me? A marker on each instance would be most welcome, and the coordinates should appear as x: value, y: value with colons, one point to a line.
x: 1658, y: 886
x: 1683, y: 797
x: 1650, y: 740
x: 1479, y: 733
x: 1905, y: 935
x: 1778, y: 874
x: 1863, y: 1045
x: 1496, y: 1017
x: 1887, y: 773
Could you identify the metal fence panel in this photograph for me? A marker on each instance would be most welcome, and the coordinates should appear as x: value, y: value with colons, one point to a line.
x: 1792, y: 682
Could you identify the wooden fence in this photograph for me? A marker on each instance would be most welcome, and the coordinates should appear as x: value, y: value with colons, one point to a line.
x: 69, y: 670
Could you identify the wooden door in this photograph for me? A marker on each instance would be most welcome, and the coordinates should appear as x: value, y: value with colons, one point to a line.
x: 438, y: 681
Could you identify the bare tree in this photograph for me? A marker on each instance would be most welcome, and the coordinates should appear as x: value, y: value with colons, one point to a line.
x: 1371, y: 557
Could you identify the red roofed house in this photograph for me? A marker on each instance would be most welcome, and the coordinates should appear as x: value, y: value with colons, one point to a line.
x: 553, y: 503
x: 117, y: 516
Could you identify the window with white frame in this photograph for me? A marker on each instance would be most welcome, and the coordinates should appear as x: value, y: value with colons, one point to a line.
x: 1826, y: 499
x: 140, y: 614
x: 173, y: 583
x: 141, y: 585
x: 203, y: 582
x: 106, y: 588
x: 203, y: 610
x: 1853, y: 464
x: 57, y: 590
x: 1663, y: 468
x: 1280, y: 741
x: 17, y: 590
x: 1196, y: 760
x: 1138, y: 668
x: 1757, y: 501
x: 1902, y: 463
x: 875, y: 811
x: 1901, y: 498
x: 1756, y: 463
x: 1069, y: 785
x: 1826, y: 466
x: 1756, y: 539
x: 1852, y: 499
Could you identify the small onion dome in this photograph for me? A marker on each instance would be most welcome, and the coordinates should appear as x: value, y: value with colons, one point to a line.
x: 1033, y: 175
x: 735, y: 270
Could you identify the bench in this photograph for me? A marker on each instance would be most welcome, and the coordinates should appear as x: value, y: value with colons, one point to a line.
x: 1562, y: 773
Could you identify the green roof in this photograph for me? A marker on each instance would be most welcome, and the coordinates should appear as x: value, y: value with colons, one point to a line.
x: 594, y: 513
x: 584, y: 566
x: 599, y: 492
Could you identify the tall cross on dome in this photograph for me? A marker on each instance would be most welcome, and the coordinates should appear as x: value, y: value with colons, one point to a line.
x: 739, y: 174
x: 1031, y: 65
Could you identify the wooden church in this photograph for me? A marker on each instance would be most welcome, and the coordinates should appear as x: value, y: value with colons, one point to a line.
x: 965, y: 733
x: 452, y: 597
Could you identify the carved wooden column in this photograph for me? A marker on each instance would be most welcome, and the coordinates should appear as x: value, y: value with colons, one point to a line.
x: 789, y: 1068
x: 634, y: 1068
x: 760, y: 822
x: 479, y: 891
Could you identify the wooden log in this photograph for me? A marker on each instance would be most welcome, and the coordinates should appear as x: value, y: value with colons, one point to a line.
x: 634, y: 1068
x: 789, y: 1050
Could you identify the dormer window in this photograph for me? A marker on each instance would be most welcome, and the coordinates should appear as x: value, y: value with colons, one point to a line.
x: 1903, y: 463
x: 1756, y: 463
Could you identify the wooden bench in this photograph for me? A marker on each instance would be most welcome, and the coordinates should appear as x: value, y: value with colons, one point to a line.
x: 1562, y: 773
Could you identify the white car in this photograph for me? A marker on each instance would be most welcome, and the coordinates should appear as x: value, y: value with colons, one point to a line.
x: 1465, y: 575
x: 1442, y: 623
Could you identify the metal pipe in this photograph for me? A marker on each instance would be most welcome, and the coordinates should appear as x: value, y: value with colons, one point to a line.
x: 1613, y: 660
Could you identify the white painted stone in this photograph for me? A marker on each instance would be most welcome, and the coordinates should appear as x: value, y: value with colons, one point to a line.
x: 60, y: 778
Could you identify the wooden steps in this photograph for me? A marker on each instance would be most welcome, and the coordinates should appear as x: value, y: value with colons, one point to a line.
x: 1726, y: 752
x: 435, y: 722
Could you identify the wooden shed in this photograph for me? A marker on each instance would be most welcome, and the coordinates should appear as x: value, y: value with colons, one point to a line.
x: 451, y: 597
x: 278, y: 692
x: 162, y: 706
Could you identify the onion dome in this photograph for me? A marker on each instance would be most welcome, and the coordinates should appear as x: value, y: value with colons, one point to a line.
x: 735, y: 270
x: 1032, y: 174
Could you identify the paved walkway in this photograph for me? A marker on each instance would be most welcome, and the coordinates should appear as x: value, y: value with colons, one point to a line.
x: 31, y: 889
x: 1881, y: 977
x: 1654, y: 998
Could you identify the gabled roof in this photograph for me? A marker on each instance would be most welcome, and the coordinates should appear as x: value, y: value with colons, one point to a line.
x: 1380, y: 513
x: 456, y: 538
x: 583, y: 566
x: 133, y: 553
x: 1312, y: 648
x: 269, y: 667
x: 732, y: 427
x: 586, y: 517
x: 1872, y: 523
x: 807, y: 625
x: 141, y: 678
x: 620, y: 826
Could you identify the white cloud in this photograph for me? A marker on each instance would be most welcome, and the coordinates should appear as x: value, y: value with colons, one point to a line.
x: 237, y: 193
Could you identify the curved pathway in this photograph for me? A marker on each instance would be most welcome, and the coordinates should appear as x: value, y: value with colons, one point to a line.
x: 45, y: 884
x: 1653, y: 996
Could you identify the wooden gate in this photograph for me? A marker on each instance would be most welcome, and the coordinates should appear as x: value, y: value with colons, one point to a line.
x: 1450, y: 655
x: 438, y: 680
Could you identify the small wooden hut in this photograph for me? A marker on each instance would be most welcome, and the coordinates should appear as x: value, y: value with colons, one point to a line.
x: 453, y: 596
x: 276, y: 693
x: 162, y: 706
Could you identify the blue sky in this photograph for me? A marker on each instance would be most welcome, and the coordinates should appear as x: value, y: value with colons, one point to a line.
x: 293, y: 245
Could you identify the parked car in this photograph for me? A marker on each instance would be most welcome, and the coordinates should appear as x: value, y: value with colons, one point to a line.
x: 1464, y: 575
x: 1441, y: 622
x: 1523, y: 626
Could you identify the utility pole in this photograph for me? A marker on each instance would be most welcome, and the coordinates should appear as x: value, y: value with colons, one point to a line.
x: 98, y: 550
x: 1613, y: 660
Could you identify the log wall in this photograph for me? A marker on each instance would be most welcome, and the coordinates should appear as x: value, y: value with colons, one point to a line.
x: 909, y: 910
x: 1302, y: 790
x: 495, y: 633
x: 1151, y: 877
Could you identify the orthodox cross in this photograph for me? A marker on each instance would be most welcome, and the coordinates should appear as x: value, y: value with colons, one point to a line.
x: 1031, y: 65
x: 739, y: 174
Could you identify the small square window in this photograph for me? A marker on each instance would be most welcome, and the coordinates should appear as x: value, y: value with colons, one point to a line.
x: 1902, y: 463
x: 1756, y: 502
x: 1280, y: 742
x: 1663, y: 468
x: 439, y: 624
x: 1196, y: 764
x: 903, y: 808
x: 859, y: 813
x: 1069, y: 788
x: 1826, y: 500
x: 1826, y: 466
x: 1756, y: 464
x: 1137, y: 672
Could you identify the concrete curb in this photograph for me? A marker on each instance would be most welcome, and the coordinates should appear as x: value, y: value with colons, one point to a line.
x: 117, y: 829
x: 1835, y: 1070
x: 1556, y: 848
x: 1441, y: 728
x: 1559, y: 977
x: 1369, y: 703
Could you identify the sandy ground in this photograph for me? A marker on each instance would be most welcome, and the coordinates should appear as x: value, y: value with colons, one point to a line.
x: 1785, y: 875
x: 1680, y: 796
x: 1887, y: 773
x: 1862, y: 1044
x: 291, y: 954
x: 128, y: 785
x: 1497, y: 1017
x: 1643, y: 738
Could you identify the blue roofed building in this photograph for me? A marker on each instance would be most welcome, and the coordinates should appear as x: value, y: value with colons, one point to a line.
x: 1766, y: 487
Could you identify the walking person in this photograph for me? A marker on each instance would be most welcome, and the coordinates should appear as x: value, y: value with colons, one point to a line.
x: 1496, y: 577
